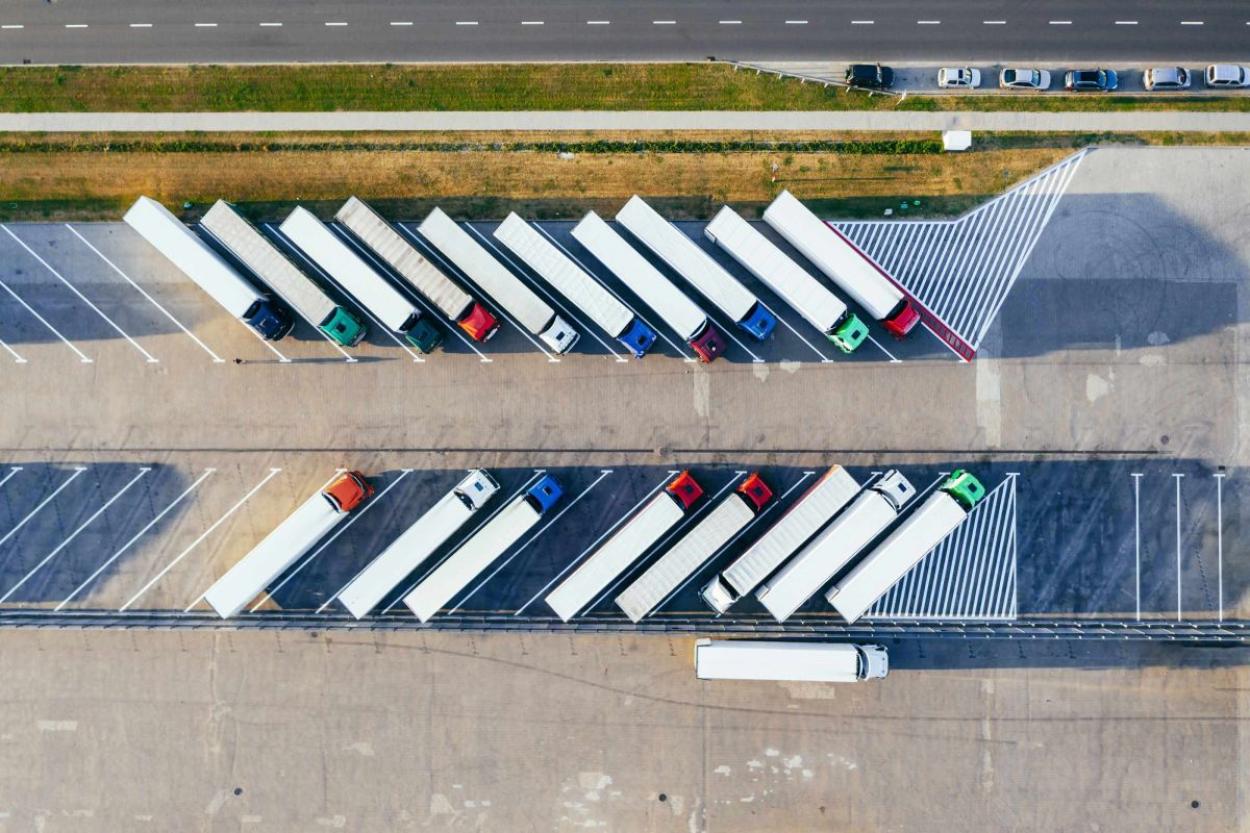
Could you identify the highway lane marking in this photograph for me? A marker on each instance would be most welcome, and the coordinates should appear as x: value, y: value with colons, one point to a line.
x: 1191, y: 22
x: 1126, y: 23
x: 796, y: 22
x: 531, y: 23
x: 1219, y: 539
x: 336, y: 23
x: 77, y: 471
x: 13, y: 26
x: 207, y: 472
x: 538, y: 473
x: 272, y: 473
x: 216, y: 358
x: 588, y: 329
x: 401, y: 23
x: 276, y: 23
x: 355, y: 516
x: 1060, y: 22
x: 466, y: 22
x: 862, y: 22
x: 602, y: 474
x: 730, y: 22
x: 61, y: 546
x: 664, y: 23
x: 81, y: 356
x: 669, y: 475
x: 76, y: 25
x: 598, y: 22
x: 1137, y: 538
x: 206, y: 25
x: 150, y: 358
x: 140, y: 25
x: 928, y: 23
x: 993, y: 23
x: 17, y: 358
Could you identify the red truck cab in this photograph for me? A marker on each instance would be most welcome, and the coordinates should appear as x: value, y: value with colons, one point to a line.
x: 479, y: 323
x: 348, y: 491
x: 685, y: 490
x: 902, y: 319
x: 756, y: 491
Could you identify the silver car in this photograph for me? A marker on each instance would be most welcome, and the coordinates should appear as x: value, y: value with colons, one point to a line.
x: 966, y: 77
x: 1227, y: 75
x: 1165, y: 78
x: 1017, y: 78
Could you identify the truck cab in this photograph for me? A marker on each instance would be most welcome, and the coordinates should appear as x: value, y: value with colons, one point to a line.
x: 895, y: 488
x: 269, y: 318
x: 422, y: 334
x: 849, y: 333
x: 477, y: 488
x: 479, y: 323
x: 708, y: 344
x: 874, y: 662
x: 348, y: 491
x: 964, y: 488
x: 685, y: 490
x: 902, y: 319
x: 559, y: 336
x: 544, y: 494
x: 759, y: 322
x: 638, y: 337
x: 345, y: 328
x: 756, y: 491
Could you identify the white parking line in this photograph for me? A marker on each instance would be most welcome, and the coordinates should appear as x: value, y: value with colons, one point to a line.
x: 9, y: 476
x: 1137, y: 539
x: 81, y: 357
x: 61, y: 546
x: 216, y: 358
x: 537, y: 284
x: 150, y: 358
x: 77, y: 471
x: 198, y: 541
x: 269, y: 594
x: 1177, y: 478
x: 452, y: 551
x: 277, y: 232
x: 602, y: 474
x: 728, y: 332
x: 657, y: 330
x: 824, y: 359
x: 135, y: 537
x: 667, y: 477
x: 17, y: 358
x: 1219, y: 540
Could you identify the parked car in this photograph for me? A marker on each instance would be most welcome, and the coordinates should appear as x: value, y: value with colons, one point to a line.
x: 1228, y: 75
x: 966, y: 77
x: 870, y: 76
x: 1091, y: 80
x: 1165, y: 78
x: 1017, y: 78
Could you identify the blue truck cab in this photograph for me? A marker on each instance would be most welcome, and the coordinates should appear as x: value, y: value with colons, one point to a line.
x: 638, y: 337
x: 269, y: 318
x: 759, y: 322
x: 544, y: 494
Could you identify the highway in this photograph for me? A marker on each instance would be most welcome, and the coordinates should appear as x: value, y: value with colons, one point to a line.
x: 156, y: 31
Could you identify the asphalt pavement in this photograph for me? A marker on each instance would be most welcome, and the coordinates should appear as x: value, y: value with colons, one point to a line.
x: 154, y: 31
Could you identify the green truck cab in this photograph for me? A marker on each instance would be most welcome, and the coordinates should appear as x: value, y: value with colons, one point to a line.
x: 964, y: 488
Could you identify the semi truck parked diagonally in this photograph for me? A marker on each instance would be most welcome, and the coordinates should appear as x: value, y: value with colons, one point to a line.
x: 815, y: 662
x: 377, y: 234
x: 272, y: 267
x: 359, y: 279
x: 694, y: 548
x: 842, y: 262
x: 836, y: 545
x: 802, y: 520
x: 586, y: 293
x: 207, y: 269
x: 290, y: 540
x: 655, y: 290
x: 820, y: 307
x: 685, y: 257
x: 533, y: 313
x: 483, y: 548
x: 903, y: 548
x: 417, y: 543
x: 629, y: 543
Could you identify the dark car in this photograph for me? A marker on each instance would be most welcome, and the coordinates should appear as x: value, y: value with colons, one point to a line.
x: 870, y: 76
x: 1091, y: 80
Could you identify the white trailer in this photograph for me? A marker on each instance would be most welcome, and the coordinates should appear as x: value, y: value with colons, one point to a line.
x: 359, y: 279
x: 693, y: 549
x: 842, y: 262
x: 207, y: 269
x: 533, y: 313
x: 276, y: 271
x: 814, y: 662
x: 915, y: 538
x: 480, y: 551
x: 629, y: 543
x: 836, y: 545
x: 813, y: 510
x: 808, y: 296
x: 287, y: 543
x: 586, y: 293
x: 417, y: 543
x: 685, y: 257
x: 427, y: 279
x: 645, y: 281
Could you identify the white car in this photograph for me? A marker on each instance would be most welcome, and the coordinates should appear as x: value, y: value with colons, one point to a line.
x: 1019, y: 78
x: 1228, y: 75
x: 1166, y: 78
x: 965, y: 77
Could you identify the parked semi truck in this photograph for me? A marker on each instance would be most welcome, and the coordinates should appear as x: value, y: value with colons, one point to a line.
x: 808, y: 296
x: 480, y: 551
x: 532, y: 312
x: 842, y: 262
x: 417, y: 543
x: 685, y: 257
x: 448, y: 297
x: 802, y: 520
x: 655, y: 290
x: 360, y: 280
x: 629, y: 543
x: 208, y: 270
x: 272, y: 268
x: 292, y: 538
x: 693, y: 549
x: 915, y: 538
x: 815, y: 662
x: 836, y: 545
x: 586, y: 293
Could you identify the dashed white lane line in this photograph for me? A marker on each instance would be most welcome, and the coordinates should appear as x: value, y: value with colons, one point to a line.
x: 928, y: 23
x: 466, y: 22
x: 730, y: 22
x: 206, y: 25
x: 1191, y: 22
x: 796, y: 22
x: 862, y: 22
x: 993, y: 23
x: 76, y: 25
x: 1060, y: 22
x: 274, y: 23
x: 531, y: 23
x: 13, y: 26
x: 336, y: 23
x: 664, y: 23
x: 401, y: 23
x: 1126, y: 23
x: 597, y: 22
x: 140, y: 25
